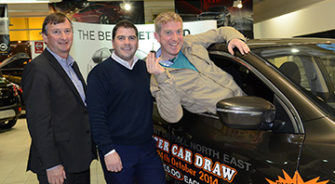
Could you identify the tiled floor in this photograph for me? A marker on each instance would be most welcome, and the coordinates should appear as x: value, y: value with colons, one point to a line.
x: 14, y: 148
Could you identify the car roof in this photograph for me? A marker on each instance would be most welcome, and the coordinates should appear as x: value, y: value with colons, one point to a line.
x: 263, y: 43
x: 20, y: 55
x: 256, y: 43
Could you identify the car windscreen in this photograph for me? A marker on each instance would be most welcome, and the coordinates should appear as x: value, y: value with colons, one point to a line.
x: 311, y: 67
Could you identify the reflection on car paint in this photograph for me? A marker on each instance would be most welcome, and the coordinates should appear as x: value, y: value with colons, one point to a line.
x: 327, y: 46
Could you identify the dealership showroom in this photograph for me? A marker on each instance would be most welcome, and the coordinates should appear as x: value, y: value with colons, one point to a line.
x: 279, y: 130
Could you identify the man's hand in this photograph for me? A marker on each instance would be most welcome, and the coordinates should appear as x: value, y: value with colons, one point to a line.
x: 56, y: 175
x: 113, y: 162
x: 239, y: 44
x: 153, y: 66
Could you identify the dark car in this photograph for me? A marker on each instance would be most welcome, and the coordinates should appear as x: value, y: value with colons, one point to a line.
x: 283, y: 131
x: 219, y: 13
x: 99, y: 13
x: 10, y: 104
x: 222, y: 18
x: 12, y: 67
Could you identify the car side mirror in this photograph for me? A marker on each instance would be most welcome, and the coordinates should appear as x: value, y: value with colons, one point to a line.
x: 246, y: 112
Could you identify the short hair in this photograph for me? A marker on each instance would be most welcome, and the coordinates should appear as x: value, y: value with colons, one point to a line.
x: 54, y: 18
x: 125, y: 24
x: 164, y: 18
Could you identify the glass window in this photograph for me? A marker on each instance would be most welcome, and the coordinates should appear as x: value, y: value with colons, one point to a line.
x: 311, y: 67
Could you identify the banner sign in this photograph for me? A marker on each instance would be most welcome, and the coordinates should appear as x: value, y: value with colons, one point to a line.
x: 4, y: 36
x: 92, y: 42
x: 39, y: 47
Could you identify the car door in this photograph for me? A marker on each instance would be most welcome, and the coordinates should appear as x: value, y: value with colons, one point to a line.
x: 202, y: 149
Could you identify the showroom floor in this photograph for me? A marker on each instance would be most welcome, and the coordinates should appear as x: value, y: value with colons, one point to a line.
x: 14, y: 148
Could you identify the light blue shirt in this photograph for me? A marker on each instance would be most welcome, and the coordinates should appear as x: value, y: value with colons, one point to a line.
x: 67, y: 66
x: 178, y: 62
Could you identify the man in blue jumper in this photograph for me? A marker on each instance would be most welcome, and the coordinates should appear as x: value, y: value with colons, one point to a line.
x: 120, y: 109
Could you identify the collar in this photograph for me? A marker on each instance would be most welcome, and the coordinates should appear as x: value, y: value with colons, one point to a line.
x: 123, y: 62
x: 68, y: 61
x: 165, y: 63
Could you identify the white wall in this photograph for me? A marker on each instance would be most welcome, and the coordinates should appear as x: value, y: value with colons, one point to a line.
x: 315, y: 18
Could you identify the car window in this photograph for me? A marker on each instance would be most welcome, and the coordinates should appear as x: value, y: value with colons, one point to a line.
x: 311, y: 67
x: 328, y: 61
x: 252, y: 85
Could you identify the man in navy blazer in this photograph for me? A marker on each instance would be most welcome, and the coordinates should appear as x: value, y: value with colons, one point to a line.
x: 54, y: 92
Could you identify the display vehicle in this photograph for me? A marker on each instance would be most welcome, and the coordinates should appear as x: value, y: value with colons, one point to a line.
x: 100, y: 13
x: 282, y: 131
x: 12, y: 67
x: 10, y: 104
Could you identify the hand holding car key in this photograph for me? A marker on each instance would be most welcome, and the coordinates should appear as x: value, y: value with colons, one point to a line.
x: 153, y: 66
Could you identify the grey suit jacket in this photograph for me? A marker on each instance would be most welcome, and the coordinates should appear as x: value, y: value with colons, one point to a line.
x: 57, y: 117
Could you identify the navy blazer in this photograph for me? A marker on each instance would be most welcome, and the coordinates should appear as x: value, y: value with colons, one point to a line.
x: 57, y: 117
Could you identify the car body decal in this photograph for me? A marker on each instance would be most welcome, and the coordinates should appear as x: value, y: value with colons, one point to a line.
x: 184, y: 165
x: 296, y: 179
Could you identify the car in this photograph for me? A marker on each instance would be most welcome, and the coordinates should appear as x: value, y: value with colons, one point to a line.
x: 282, y: 131
x: 244, y: 24
x: 12, y: 67
x: 10, y: 104
x: 222, y: 18
x: 219, y: 13
x: 102, y: 13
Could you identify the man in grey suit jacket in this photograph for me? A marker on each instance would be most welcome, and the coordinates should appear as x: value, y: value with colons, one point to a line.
x: 54, y: 92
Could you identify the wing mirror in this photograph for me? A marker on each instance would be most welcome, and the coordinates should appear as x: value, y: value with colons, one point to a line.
x: 246, y: 112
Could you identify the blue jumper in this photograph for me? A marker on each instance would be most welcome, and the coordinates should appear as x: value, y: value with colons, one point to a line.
x: 119, y: 104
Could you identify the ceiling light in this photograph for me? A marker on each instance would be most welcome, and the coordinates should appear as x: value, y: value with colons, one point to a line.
x: 294, y: 50
x: 28, y: 1
x: 102, y: 0
x: 237, y: 4
x: 126, y: 6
